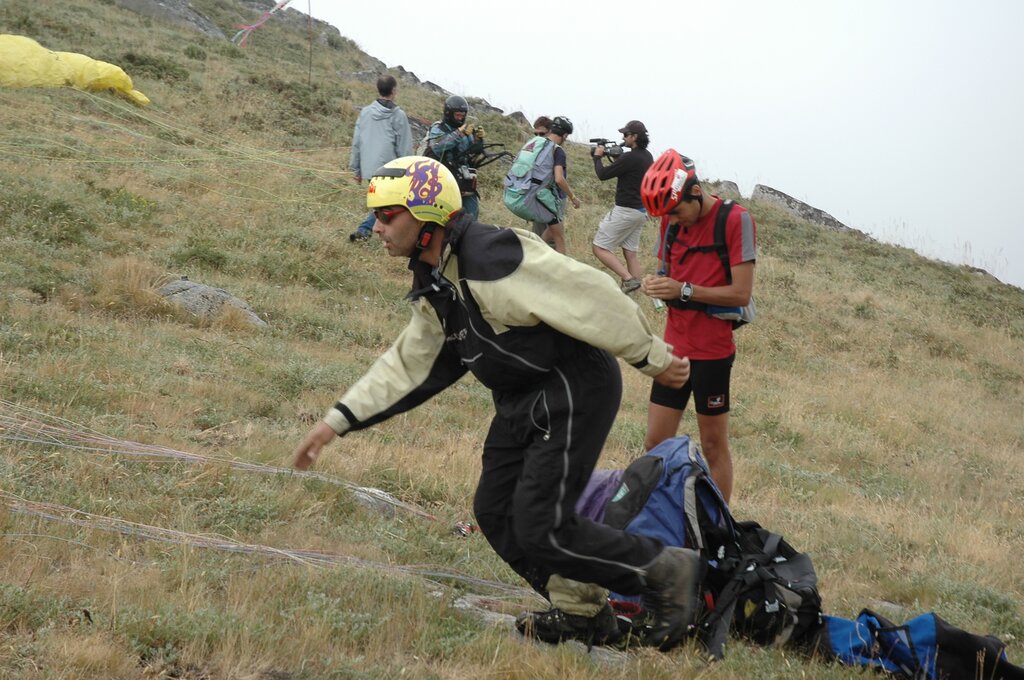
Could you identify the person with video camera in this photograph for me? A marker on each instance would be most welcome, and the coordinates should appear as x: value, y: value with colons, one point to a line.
x: 452, y: 140
x: 622, y: 225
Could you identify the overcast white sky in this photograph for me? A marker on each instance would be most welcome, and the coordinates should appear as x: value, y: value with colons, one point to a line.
x: 901, y: 118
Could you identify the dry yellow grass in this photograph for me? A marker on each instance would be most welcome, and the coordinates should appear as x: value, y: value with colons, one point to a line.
x: 875, y: 423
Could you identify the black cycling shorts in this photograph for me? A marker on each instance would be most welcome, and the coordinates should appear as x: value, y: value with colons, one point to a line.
x: 709, y: 383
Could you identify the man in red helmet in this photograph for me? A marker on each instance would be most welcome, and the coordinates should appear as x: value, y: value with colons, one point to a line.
x: 695, y: 278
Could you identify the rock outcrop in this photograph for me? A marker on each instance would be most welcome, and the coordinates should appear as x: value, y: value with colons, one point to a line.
x: 205, y: 301
x: 174, y: 11
x: 797, y: 208
x: 722, y: 188
x: 520, y: 118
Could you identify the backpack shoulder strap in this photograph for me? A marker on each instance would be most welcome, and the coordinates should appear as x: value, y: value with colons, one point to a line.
x: 543, y: 171
x: 671, y: 232
x: 720, y: 244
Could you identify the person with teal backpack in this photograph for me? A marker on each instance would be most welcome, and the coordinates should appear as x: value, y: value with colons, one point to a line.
x: 536, y: 185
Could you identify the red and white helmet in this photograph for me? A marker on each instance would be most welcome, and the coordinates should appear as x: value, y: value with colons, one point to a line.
x: 667, y: 182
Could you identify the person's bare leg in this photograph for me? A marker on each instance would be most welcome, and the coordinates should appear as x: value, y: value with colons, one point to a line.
x: 633, y: 264
x: 714, y: 442
x: 662, y: 423
x: 609, y: 260
x: 556, y: 234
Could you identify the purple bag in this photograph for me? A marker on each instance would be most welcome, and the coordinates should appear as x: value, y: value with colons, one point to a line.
x: 602, y: 486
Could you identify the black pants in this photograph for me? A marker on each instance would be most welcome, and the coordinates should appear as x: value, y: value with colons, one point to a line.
x: 542, y: 446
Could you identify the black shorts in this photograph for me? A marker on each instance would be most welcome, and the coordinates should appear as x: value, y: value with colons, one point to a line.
x: 709, y: 382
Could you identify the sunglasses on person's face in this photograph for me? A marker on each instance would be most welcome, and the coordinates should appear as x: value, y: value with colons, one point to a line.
x: 385, y: 215
x: 540, y: 133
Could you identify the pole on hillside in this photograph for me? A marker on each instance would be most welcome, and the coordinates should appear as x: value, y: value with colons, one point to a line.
x: 309, y: 14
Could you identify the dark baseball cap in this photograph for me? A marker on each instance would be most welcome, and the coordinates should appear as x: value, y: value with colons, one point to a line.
x: 633, y: 127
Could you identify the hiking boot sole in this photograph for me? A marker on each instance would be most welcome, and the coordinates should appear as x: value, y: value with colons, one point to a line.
x: 674, y: 620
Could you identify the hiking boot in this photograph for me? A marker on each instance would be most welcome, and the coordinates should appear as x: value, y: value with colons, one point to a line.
x: 630, y: 286
x: 671, y: 595
x: 358, y: 235
x: 555, y: 626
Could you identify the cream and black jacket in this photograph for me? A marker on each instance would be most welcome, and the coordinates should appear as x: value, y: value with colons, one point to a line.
x: 505, y: 306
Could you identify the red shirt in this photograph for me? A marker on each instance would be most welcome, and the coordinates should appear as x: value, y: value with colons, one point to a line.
x: 693, y: 333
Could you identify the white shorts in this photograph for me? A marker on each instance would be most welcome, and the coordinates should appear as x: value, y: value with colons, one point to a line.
x: 620, y: 227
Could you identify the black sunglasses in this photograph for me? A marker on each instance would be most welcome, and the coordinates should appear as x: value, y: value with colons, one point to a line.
x: 385, y: 215
x: 539, y: 134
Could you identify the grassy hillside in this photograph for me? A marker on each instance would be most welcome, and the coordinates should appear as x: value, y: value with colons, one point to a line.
x: 877, y: 420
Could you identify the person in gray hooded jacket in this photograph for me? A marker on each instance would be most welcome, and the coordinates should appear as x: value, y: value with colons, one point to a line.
x: 382, y: 134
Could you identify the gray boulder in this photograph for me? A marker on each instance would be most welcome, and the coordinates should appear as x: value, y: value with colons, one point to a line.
x: 205, y: 301
x: 520, y: 118
x: 480, y: 105
x: 797, y: 208
x: 723, y: 188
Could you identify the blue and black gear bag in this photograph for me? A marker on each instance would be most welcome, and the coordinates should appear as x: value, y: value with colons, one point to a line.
x: 752, y: 581
x: 771, y: 597
x: 668, y: 494
x: 924, y: 648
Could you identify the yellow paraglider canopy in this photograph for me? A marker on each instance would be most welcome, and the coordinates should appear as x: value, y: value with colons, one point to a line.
x: 26, y: 63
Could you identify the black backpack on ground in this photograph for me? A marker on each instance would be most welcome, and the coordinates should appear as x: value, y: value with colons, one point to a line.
x: 771, y: 597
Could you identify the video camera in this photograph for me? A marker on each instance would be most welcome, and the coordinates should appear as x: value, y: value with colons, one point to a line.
x: 613, y: 149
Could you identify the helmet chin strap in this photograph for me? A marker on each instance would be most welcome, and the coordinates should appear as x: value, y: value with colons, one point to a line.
x: 423, y: 240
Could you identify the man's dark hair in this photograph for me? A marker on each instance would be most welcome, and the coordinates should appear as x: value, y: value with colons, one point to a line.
x: 642, y: 140
x: 542, y: 122
x: 386, y: 85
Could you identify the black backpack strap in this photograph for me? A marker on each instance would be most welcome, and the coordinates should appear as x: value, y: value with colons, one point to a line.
x: 720, y: 244
x: 715, y: 631
x: 671, y: 232
x: 750, y: 569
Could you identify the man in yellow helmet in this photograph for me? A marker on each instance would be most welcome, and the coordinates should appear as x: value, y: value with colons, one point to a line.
x: 541, y: 330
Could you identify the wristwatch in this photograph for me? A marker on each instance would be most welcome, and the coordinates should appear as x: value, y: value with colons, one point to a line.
x: 686, y: 291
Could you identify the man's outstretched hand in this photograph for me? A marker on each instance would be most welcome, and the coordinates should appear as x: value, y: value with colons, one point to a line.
x: 309, y: 450
x: 677, y: 373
